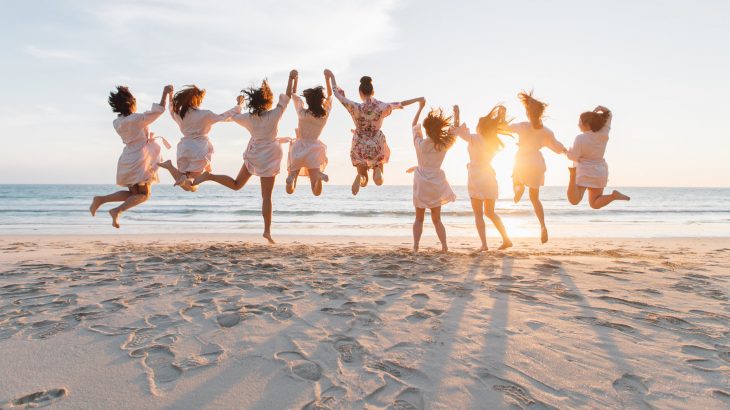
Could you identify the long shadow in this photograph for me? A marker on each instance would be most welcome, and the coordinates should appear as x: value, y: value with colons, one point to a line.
x: 495, y: 338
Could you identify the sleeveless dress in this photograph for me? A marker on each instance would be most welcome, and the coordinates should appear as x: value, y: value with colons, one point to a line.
x: 307, y: 151
x: 195, y: 151
x: 263, y: 154
x: 430, y: 187
x: 482, y: 180
x: 369, y: 147
x: 530, y: 166
x: 591, y: 169
x: 141, y: 154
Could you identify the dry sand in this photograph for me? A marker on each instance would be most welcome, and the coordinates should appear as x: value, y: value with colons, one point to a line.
x: 216, y: 322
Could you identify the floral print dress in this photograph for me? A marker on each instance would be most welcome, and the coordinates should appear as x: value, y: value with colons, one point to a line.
x: 369, y: 147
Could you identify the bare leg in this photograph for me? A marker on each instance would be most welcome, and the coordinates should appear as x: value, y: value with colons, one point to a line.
x: 131, y: 202
x: 418, y: 227
x: 176, y: 174
x: 378, y: 175
x: 497, y: 221
x: 440, y: 229
x: 476, y: 206
x: 225, y: 180
x: 315, y: 179
x: 267, y: 187
x: 98, y: 201
x: 537, y: 205
x: 291, y: 181
x: 519, y: 189
x: 361, y: 179
x: 575, y: 193
x: 597, y: 200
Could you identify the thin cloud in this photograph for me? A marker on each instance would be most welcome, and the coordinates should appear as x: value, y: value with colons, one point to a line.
x: 57, y: 54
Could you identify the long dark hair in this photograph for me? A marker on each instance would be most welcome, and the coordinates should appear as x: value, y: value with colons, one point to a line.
x: 489, y: 125
x: 315, y: 101
x: 189, y: 97
x: 366, y: 86
x: 259, y: 100
x: 534, y: 108
x: 595, y: 119
x: 122, y: 101
x: 437, y: 126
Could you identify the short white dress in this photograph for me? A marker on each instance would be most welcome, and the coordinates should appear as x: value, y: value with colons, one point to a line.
x: 307, y: 151
x: 141, y: 154
x: 263, y: 154
x: 430, y: 187
x: 587, y: 155
x: 482, y: 180
x: 530, y: 166
x: 195, y: 151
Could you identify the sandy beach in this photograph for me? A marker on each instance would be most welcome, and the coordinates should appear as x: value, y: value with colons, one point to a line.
x: 212, y: 321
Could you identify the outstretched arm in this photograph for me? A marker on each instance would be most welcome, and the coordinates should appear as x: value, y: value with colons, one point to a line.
x: 411, y: 101
x: 293, y: 75
x: 421, y: 103
x: 328, y: 83
x: 166, y: 93
x: 456, y: 117
x: 329, y: 75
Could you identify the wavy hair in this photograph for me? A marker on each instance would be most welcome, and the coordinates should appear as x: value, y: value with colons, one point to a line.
x: 488, y: 127
x: 258, y: 100
x: 437, y: 126
x: 122, y: 101
x: 534, y: 108
x: 315, y: 101
x: 189, y: 97
x: 595, y: 119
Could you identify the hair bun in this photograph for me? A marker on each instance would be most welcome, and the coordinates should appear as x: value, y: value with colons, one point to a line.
x: 366, y: 80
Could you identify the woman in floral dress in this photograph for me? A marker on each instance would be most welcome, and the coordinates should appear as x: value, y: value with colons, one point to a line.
x: 369, y: 149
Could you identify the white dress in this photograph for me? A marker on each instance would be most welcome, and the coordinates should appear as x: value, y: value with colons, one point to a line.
x: 141, y: 154
x: 430, y: 187
x: 530, y: 166
x: 195, y: 151
x: 307, y: 151
x: 263, y: 154
x: 587, y: 155
x: 482, y: 180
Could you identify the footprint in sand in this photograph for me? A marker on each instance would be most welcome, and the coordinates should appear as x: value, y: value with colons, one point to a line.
x: 228, y: 319
x: 209, y: 355
x: 631, y: 391
x: 46, y: 329
x: 514, y: 393
x: 300, y: 366
x: 159, y: 362
x: 111, y: 330
x: 139, y: 338
x: 329, y: 399
x: 283, y: 311
x: 410, y: 398
x: 419, y: 300
x: 350, y: 349
x: 399, y: 371
x: 35, y: 400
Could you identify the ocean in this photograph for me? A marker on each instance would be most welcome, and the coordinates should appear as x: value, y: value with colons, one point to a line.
x: 376, y: 211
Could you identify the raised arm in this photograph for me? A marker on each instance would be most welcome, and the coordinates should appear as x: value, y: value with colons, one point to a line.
x: 456, y: 116
x: 166, y: 94
x: 607, y: 126
x: 421, y: 103
x: 293, y: 74
x: 351, y: 106
x: 328, y: 83
x: 411, y: 101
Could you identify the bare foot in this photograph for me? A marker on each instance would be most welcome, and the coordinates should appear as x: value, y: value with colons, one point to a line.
x: 378, y: 176
x: 444, y: 249
x: 415, y: 249
x: 267, y: 235
x: 544, y: 235
x: 519, y: 190
x: 167, y: 164
x: 506, y: 244
x: 356, y: 184
x: 325, y: 177
x: 115, y: 217
x: 620, y: 197
x: 204, y: 176
x: 95, y: 204
x: 364, y: 180
x: 184, y: 183
x: 291, y: 184
x: 483, y: 248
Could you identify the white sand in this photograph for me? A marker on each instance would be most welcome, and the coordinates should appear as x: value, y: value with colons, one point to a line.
x: 191, y: 322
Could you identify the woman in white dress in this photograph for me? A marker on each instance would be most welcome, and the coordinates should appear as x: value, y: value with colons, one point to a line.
x: 264, y: 154
x: 194, y: 151
x: 482, y: 181
x: 137, y: 166
x: 369, y: 150
x: 529, y: 170
x: 307, y: 154
x: 431, y: 190
x: 590, y: 170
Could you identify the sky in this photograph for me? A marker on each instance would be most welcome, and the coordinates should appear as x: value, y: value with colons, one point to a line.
x: 661, y: 66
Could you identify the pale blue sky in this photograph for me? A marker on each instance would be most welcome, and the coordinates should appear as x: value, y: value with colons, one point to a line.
x: 661, y: 66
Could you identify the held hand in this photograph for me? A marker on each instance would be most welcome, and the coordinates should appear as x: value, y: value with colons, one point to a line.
x: 421, y: 103
x: 239, y: 99
x: 293, y: 74
x: 328, y: 73
x: 456, y: 110
x: 600, y: 108
x: 168, y: 89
